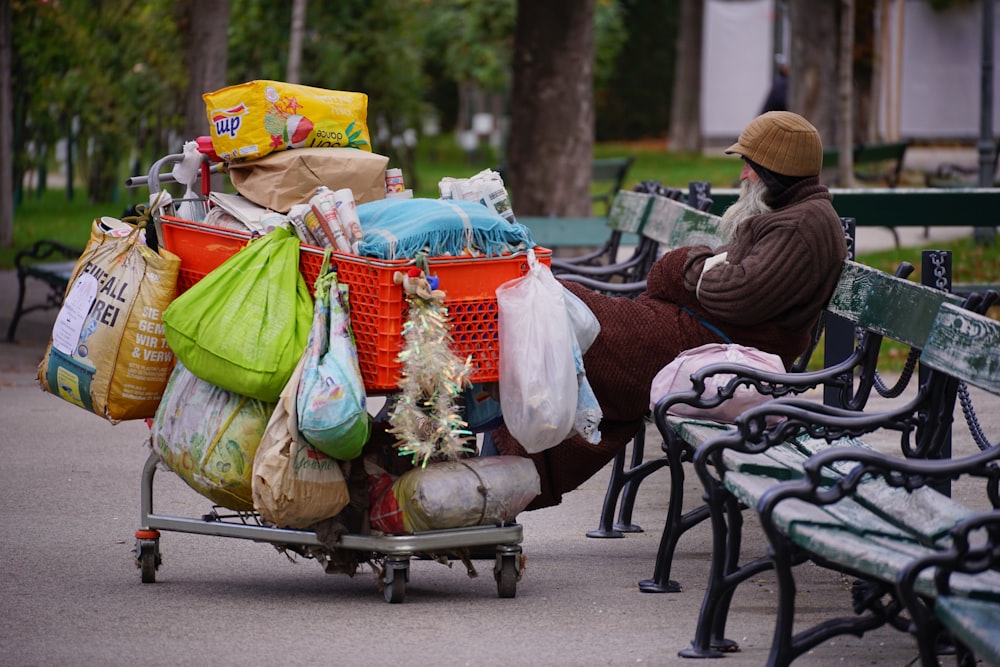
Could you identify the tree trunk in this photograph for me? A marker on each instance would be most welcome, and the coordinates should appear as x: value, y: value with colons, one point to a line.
x: 685, y: 114
x: 880, y: 43
x: 6, y: 129
x: 552, y: 108
x: 845, y: 97
x: 207, y: 53
x: 813, y: 76
x: 295, y: 40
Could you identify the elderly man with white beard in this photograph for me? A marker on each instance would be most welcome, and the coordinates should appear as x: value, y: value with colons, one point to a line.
x: 765, y: 288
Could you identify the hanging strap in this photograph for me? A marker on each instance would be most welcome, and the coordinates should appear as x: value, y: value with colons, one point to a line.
x: 708, y: 325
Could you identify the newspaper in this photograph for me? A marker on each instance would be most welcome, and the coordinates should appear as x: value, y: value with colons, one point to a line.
x: 240, y: 208
x: 486, y: 187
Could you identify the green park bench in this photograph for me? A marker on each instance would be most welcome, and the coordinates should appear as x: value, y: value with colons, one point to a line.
x: 650, y: 223
x: 646, y: 222
x: 950, y: 175
x: 607, y: 176
x: 823, y: 495
x: 869, y: 304
x: 35, y: 263
x: 880, y: 163
x: 970, y: 623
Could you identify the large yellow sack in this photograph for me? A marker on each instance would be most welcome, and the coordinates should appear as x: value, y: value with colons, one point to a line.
x: 107, y: 353
x: 255, y: 118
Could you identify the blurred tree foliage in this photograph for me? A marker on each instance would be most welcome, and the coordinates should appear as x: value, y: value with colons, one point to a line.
x: 113, y: 71
x: 105, y: 71
x: 633, y: 87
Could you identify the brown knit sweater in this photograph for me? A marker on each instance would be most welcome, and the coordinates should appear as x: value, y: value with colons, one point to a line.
x: 780, y: 271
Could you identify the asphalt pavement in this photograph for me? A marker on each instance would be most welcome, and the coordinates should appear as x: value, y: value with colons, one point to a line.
x: 70, y: 592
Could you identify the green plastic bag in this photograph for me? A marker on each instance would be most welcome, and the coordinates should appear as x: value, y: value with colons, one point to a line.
x: 244, y: 326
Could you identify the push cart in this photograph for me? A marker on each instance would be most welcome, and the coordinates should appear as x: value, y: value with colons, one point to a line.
x: 474, y: 328
x: 397, y: 550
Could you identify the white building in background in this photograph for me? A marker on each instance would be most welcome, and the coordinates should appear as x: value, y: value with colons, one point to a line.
x: 930, y: 83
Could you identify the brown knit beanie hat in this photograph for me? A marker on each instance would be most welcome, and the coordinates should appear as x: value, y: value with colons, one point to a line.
x: 782, y: 141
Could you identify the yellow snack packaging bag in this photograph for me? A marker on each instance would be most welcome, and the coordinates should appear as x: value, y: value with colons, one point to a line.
x: 253, y: 119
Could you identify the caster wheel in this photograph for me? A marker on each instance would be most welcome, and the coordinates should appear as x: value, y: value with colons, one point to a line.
x: 506, y: 573
x: 394, y: 588
x: 148, y: 559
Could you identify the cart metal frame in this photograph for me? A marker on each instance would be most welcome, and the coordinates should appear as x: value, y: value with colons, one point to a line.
x: 396, y: 549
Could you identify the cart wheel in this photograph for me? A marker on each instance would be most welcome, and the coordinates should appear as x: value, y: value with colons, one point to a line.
x: 505, y: 573
x: 396, y: 574
x: 148, y: 559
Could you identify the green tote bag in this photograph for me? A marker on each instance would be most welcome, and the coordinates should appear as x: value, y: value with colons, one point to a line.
x: 244, y: 326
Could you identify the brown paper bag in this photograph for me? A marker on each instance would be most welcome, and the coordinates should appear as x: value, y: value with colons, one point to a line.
x: 281, y: 180
x: 294, y: 485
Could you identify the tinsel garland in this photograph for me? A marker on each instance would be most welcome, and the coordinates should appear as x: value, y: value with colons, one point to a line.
x: 426, y: 419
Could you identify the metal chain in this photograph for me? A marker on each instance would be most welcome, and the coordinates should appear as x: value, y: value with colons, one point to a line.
x: 975, y: 428
x: 904, y: 377
x: 964, y: 397
x: 940, y: 274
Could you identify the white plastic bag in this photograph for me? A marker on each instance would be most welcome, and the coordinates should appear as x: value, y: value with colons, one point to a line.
x: 187, y: 172
x: 538, y: 378
x: 585, y: 324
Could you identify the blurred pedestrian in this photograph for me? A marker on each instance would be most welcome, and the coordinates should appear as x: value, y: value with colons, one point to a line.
x: 777, y: 98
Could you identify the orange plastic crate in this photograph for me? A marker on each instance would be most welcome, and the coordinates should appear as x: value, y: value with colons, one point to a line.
x: 378, y: 307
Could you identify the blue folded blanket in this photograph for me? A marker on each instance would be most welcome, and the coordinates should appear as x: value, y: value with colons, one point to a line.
x: 401, y: 228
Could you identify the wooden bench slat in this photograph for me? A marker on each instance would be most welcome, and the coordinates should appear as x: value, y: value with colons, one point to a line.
x: 777, y: 463
x: 874, y: 556
x: 967, y: 346
x: 669, y: 222
x: 809, y: 446
x: 697, y: 431
x: 629, y: 210
x: 844, y: 515
x: 903, y: 311
x: 853, y: 290
x: 748, y: 489
x: 62, y: 270
x: 937, y: 513
x: 898, y: 309
x: 883, y: 558
x: 976, y: 623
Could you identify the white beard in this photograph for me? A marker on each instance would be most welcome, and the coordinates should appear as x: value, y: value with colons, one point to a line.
x: 749, y: 204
